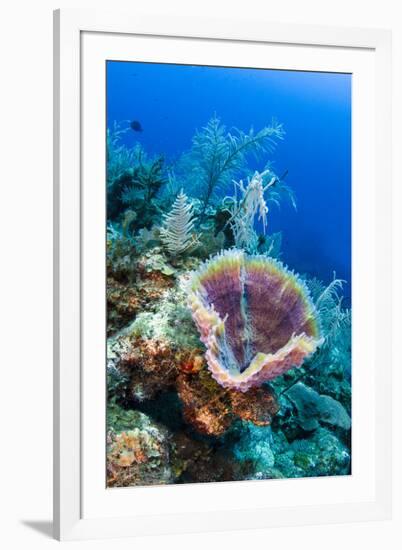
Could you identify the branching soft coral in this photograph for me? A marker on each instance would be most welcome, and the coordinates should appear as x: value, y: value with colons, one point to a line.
x: 244, y: 209
x: 252, y: 203
x: 119, y: 157
x: 217, y: 155
x: 328, y: 302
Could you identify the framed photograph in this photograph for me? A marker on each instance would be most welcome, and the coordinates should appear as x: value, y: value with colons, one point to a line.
x: 222, y: 275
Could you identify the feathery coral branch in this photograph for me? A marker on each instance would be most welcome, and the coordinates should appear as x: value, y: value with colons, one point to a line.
x: 217, y: 155
x: 178, y: 224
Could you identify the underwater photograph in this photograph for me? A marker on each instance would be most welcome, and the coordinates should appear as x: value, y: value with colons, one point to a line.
x: 228, y: 274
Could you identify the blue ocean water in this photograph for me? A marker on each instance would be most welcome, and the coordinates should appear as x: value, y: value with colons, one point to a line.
x: 172, y: 101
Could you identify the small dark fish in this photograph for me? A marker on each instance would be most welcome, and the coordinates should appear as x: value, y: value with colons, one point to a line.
x: 136, y: 126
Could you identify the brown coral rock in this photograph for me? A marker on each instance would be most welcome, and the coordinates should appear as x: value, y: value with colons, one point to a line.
x: 211, y: 409
x: 123, y: 303
x: 258, y: 405
x: 187, y: 452
x: 152, y: 286
x: 205, y: 404
x: 125, y: 299
x: 198, y: 462
x: 151, y: 367
x: 154, y: 365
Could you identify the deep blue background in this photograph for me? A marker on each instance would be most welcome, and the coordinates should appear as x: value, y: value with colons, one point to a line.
x: 171, y: 101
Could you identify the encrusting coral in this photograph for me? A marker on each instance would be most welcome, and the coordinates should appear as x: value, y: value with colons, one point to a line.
x: 139, y: 454
x: 150, y: 366
x: 134, y: 290
x: 123, y: 302
x: 254, y: 316
x: 313, y: 407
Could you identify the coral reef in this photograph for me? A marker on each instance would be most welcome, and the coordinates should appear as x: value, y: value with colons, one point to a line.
x: 145, y: 368
x: 222, y: 364
x: 254, y: 316
x: 157, y: 364
x: 268, y: 455
x: 322, y: 454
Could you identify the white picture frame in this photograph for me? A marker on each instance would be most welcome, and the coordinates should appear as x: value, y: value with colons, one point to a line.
x: 83, y: 508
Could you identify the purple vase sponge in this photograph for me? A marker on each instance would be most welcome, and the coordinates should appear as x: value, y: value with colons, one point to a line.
x: 254, y: 316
